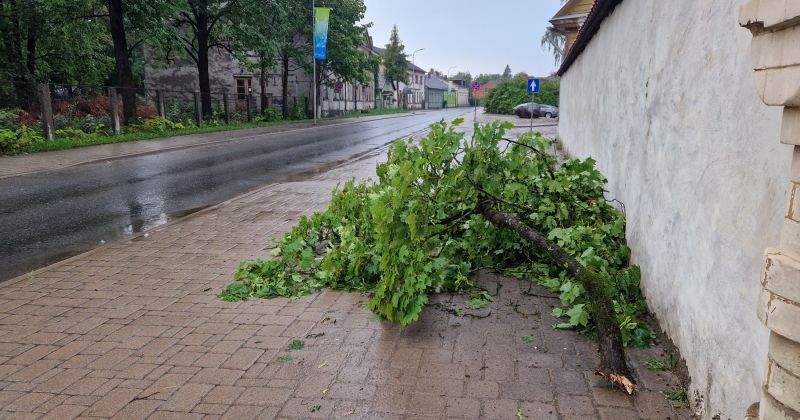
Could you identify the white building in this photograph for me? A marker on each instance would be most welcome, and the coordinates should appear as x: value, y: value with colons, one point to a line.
x: 661, y: 94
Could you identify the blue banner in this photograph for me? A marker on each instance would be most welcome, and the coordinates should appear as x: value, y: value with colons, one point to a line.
x: 321, y: 19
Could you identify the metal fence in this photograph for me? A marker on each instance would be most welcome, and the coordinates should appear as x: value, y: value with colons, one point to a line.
x: 64, y: 109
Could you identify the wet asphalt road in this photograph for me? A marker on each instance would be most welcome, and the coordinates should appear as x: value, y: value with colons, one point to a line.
x: 50, y: 216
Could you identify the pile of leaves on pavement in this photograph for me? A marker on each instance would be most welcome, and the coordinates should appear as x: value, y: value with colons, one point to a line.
x: 417, y: 231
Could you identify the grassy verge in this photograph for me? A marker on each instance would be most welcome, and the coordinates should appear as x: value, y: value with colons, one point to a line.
x: 92, y: 140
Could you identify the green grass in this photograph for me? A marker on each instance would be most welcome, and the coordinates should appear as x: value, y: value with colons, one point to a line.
x: 93, y: 140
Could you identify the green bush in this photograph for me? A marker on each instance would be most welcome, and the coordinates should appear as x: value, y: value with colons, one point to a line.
x: 13, y: 142
x: 160, y: 124
x: 71, y: 133
x: 9, y: 119
x: 549, y: 92
x: 510, y: 93
x: 8, y: 141
x: 269, y: 114
x: 507, y: 95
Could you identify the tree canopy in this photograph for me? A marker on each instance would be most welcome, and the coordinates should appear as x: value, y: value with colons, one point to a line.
x: 395, y: 61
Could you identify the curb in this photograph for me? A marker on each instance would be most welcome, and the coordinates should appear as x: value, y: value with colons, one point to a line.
x: 354, y: 120
x: 182, y: 219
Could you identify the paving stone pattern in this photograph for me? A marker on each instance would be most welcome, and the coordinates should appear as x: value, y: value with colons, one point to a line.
x: 134, y: 330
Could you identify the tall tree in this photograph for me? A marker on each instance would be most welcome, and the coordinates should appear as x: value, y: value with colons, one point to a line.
x: 60, y: 41
x: 507, y: 72
x: 254, y: 38
x: 395, y: 61
x: 292, y: 45
x: 345, y: 37
x: 122, y: 61
x: 199, y: 27
x: 553, y: 42
x: 131, y: 23
x: 485, y: 78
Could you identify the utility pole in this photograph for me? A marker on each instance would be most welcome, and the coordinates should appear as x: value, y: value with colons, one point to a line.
x: 314, y: 56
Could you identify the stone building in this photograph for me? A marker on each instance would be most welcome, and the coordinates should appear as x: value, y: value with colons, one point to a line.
x: 661, y: 94
x: 178, y: 80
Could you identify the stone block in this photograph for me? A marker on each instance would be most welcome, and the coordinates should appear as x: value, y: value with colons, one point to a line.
x: 782, y: 86
x: 785, y: 352
x: 792, y: 9
x: 794, y: 202
x: 770, y: 409
x: 782, y: 276
x: 764, y: 53
x: 790, y: 238
x: 783, y: 386
x: 795, y: 173
x: 790, y: 48
x: 779, y: 315
x: 790, y: 127
x: 772, y: 12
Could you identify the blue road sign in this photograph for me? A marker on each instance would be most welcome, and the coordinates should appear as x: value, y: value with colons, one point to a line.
x: 533, y: 85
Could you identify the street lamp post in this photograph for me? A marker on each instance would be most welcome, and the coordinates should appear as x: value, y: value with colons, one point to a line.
x: 413, y: 77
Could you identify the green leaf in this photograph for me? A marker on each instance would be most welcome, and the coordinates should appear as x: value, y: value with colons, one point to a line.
x: 296, y: 345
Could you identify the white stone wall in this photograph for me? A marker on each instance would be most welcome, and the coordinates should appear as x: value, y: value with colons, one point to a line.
x: 663, y: 99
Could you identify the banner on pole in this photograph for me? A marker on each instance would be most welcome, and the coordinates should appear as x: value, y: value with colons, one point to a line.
x: 321, y: 19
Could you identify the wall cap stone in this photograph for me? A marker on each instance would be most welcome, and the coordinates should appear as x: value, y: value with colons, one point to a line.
x: 779, y: 315
x: 775, y: 49
x: 783, y: 386
x: 780, y: 275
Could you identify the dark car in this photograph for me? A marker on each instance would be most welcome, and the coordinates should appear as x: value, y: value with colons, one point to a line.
x: 550, y: 111
x: 525, y: 110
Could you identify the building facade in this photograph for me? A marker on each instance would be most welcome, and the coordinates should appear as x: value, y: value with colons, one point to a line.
x: 675, y: 123
x: 241, y: 83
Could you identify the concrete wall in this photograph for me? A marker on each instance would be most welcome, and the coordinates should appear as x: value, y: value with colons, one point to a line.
x: 663, y: 99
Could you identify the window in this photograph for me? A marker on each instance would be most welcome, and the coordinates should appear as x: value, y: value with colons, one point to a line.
x: 242, y: 87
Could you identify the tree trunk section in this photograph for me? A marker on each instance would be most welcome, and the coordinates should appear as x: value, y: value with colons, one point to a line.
x: 613, y: 365
x: 263, y: 85
x: 202, y: 60
x: 122, y: 60
x: 285, y: 86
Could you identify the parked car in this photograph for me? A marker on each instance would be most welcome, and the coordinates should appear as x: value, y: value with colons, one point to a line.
x: 525, y: 110
x: 550, y: 111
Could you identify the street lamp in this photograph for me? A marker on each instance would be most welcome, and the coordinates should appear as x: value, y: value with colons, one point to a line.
x: 413, y: 77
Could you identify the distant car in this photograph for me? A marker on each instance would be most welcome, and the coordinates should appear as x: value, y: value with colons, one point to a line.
x: 525, y: 110
x: 549, y: 111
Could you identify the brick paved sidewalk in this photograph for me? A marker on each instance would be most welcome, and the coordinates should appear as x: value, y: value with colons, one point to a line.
x: 134, y: 330
x: 43, y: 161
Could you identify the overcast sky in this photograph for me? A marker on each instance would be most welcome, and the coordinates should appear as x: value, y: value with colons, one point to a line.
x: 476, y: 36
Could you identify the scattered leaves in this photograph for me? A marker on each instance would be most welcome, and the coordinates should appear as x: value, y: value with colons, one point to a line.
x: 668, y: 363
x: 478, y: 300
x: 520, y: 414
x: 284, y: 358
x: 296, y: 345
x: 314, y: 408
x: 678, y: 398
x: 527, y: 339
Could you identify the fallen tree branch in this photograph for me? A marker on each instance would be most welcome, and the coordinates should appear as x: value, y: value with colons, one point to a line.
x: 613, y: 366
